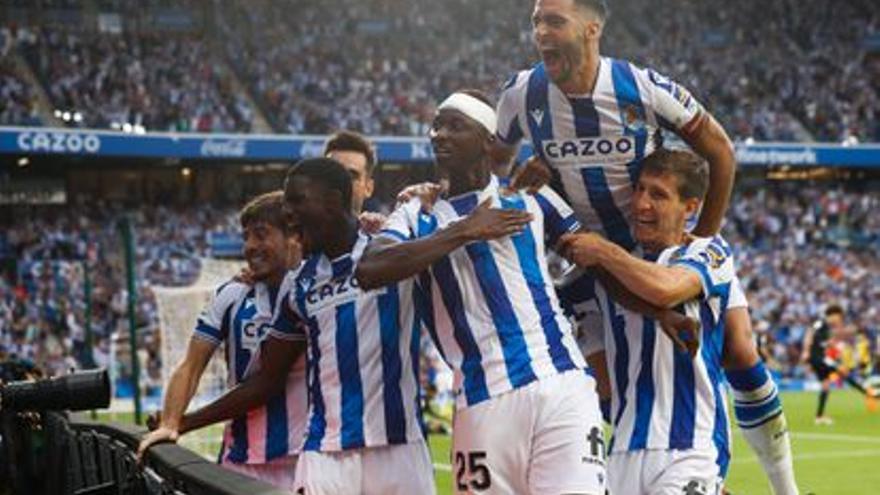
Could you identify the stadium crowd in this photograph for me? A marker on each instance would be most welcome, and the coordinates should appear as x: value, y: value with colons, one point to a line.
x: 43, y: 301
x: 809, y: 72
x: 149, y: 81
x: 798, y: 248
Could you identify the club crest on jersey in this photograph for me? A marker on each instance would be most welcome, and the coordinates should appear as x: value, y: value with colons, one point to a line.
x: 632, y: 119
x: 591, y: 150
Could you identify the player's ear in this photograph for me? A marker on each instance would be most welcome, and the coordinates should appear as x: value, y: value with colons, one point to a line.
x: 692, y: 206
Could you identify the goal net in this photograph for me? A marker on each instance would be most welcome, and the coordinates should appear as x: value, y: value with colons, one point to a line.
x: 179, y: 308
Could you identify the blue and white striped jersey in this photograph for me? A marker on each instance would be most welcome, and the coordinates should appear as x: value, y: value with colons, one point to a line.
x: 490, y: 307
x: 363, y: 349
x: 595, y: 143
x: 239, y: 316
x: 661, y: 398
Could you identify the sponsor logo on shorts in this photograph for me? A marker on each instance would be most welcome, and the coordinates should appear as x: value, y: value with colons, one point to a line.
x: 695, y: 487
x: 596, y: 443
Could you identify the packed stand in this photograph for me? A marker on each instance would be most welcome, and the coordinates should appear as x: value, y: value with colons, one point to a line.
x: 800, y: 249
x: 151, y: 81
x: 42, y: 303
x: 17, y: 98
x: 805, y: 71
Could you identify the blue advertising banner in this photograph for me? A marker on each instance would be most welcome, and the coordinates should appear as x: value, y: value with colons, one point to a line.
x: 284, y: 147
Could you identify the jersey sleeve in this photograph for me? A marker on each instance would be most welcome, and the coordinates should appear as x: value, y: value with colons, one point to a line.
x: 737, y: 295
x: 674, y: 106
x: 213, y: 323
x: 509, y: 106
x: 399, y: 225
x: 712, y: 260
x: 559, y: 218
x: 287, y: 324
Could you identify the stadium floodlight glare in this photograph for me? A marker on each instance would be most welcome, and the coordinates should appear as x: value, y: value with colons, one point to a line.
x: 77, y: 117
x: 74, y: 392
x: 24, y: 161
x: 58, y: 113
x: 66, y: 116
x: 126, y: 127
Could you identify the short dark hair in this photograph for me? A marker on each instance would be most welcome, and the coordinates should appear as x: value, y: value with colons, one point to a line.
x: 352, y: 141
x: 691, y: 171
x: 267, y: 208
x: 328, y: 172
x: 834, y: 309
x: 600, y: 7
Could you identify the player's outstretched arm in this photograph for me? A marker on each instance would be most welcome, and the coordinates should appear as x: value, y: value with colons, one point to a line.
x: 711, y: 142
x: 179, y: 392
x: 386, y: 261
x: 277, y: 356
x: 662, y: 286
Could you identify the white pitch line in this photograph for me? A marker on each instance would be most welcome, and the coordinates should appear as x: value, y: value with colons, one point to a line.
x: 820, y: 455
x: 443, y: 467
x: 836, y: 437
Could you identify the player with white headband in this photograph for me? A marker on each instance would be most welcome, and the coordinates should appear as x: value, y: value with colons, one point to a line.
x: 489, y: 304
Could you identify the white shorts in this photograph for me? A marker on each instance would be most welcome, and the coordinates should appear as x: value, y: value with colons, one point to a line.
x: 664, y: 472
x: 278, y: 472
x: 545, y: 438
x: 393, y: 470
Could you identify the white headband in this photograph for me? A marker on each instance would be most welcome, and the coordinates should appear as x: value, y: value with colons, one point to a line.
x: 473, y: 108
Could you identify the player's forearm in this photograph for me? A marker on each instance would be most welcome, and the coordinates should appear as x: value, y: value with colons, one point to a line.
x: 658, y: 285
x: 716, y: 148
x: 237, y: 402
x: 180, y: 390
x: 386, y: 263
x: 626, y: 297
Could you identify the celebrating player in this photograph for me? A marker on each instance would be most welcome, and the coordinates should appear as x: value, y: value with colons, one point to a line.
x: 669, y: 413
x: 358, y: 156
x: 494, y: 317
x: 591, y: 120
x: 363, y: 434
x: 262, y: 442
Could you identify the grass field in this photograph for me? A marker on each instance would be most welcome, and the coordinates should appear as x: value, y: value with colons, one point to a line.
x: 841, y: 459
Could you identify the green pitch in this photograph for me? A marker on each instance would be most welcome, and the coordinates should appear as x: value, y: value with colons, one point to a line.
x: 843, y: 458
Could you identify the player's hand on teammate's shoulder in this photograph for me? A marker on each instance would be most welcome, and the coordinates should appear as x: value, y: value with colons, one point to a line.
x: 531, y: 176
x: 245, y: 276
x: 682, y: 329
x: 581, y: 248
x: 486, y: 223
x: 426, y: 192
x: 162, y: 434
x: 371, y: 222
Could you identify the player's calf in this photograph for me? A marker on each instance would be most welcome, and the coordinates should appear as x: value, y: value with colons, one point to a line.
x: 759, y: 414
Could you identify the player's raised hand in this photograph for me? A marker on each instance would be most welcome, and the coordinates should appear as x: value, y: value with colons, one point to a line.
x: 531, y: 176
x: 163, y: 434
x: 486, y: 223
x: 427, y: 192
x: 682, y: 329
x: 371, y: 222
x: 580, y: 248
